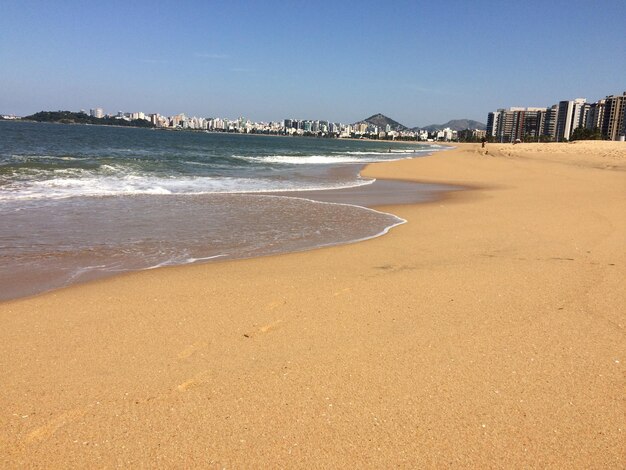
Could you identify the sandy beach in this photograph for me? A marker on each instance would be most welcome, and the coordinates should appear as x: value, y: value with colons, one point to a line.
x: 487, y: 332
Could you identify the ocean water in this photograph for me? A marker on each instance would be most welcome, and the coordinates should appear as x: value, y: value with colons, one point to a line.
x: 81, y: 202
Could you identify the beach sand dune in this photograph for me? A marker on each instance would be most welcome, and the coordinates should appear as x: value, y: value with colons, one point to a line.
x: 487, y: 332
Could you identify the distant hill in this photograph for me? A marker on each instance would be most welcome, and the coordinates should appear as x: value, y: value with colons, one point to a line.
x: 455, y: 125
x: 69, y: 117
x: 381, y: 121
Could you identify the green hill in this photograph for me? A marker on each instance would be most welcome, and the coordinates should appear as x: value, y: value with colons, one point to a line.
x: 69, y: 117
x: 381, y: 121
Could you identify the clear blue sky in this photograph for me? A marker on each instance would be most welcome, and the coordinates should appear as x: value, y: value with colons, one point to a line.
x: 415, y: 61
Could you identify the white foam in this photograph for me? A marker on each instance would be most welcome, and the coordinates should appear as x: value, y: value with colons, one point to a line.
x: 111, y: 179
x: 406, y: 151
x: 133, y: 184
x: 347, y: 157
x: 205, y: 258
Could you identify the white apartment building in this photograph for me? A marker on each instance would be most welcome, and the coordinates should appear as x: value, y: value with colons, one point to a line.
x: 570, y: 116
x: 97, y: 113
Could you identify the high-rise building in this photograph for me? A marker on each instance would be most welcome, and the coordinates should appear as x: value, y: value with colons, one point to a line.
x: 516, y: 124
x: 595, y: 115
x: 533, y: 123
x: 506, y: 126
x: 549, y: 123
x: 97, y: 113
x: 559, y: 121
x: 569, y: 117
x: 614, y: 121
x: 360, y: 128
x: 493, y: 121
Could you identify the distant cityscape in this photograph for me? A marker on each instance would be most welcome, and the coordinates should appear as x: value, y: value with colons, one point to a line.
x: 568, y: 120
x: 380, y: 127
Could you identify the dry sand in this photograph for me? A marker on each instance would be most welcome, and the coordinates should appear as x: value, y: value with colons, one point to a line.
x: 487, y: 332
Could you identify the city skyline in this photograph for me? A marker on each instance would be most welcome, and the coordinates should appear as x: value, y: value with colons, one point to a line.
x: 416, y: 63
x: 100, y: 112
x: 299, y: 127
x: 559, y: 122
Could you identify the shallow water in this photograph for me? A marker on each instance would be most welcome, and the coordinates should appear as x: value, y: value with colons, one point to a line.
x: 80, y: 202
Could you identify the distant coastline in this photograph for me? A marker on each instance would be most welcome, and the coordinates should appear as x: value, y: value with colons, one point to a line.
x: 83, y: 119
x: 375, y: 128
x: 250, y: 134
x: 69, y: 117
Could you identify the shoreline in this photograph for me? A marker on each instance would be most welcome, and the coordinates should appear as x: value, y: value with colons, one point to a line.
x: 367, y: 197
x: 486, y: 332
x: 364, y: 196
x: 24, y: 276
x: 204, y: 131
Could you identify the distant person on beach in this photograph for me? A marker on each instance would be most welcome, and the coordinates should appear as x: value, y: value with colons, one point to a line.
x: 483, y: 140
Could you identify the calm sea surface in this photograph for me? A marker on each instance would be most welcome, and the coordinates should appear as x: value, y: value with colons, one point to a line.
x: 81, y: 202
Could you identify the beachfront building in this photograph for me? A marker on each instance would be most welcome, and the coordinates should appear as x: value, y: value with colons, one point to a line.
x: 516, y: 124
x: 157, y: 120
x: 360, y: 128
x: 493, y: 121
x: 511, y: 125
x: 478, y: 134
x: 138, y: 115
x: 446, y: 135
x: 97, y: 113
x: 569, y: 117
x: 533, y: 123
x: 614, y: 119
x: 422, y: 135
x: 471, y: 135
x: 506, y: 125
x: 595, y: 115
x: 558, y: 122
x: 549, y: 122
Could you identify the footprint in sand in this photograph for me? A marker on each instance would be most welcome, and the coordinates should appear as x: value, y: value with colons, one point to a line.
x: 193, y: 348
x: 195, y: 381
x: 270, y: 326
x: 275, y: 304
x: 342, y: 291
x: 46, y: 431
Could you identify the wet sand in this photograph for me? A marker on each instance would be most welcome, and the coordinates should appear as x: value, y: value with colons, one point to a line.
x: 488, y: 331
x: 380, y: 192
x: 172, y: 230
